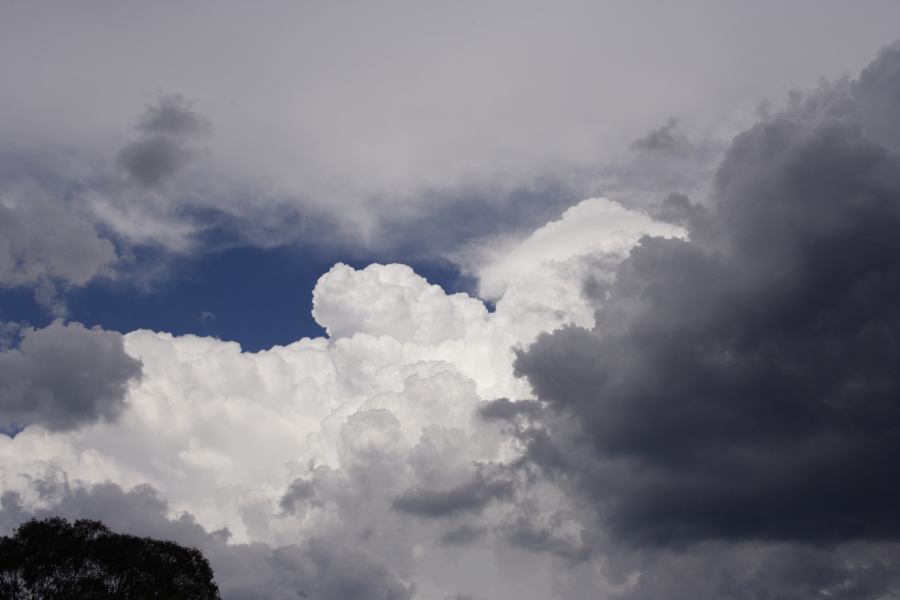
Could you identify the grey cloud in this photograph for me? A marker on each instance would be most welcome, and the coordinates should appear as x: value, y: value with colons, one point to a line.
x: 162, y: 150
x: 298, y: 493
x: 42, y: 239
x: 877, y: 94
x: 319, y: 569
x: 64, y: 376
x: 453, y: 217
x: 308, y: 143
x: 324, y: 569
x: 345, y: 574
x: 174, y: 115
x: 47, y: 294
x: 151, y: 160
x: 471, y: 496
x: 525, y: 533
x: 10, y: 333
x: 465, y: 534
x: 743, y: 385
x: 666, y: 139
x: 678, y: 209
x: 139, y: 511
x: 506, y: 409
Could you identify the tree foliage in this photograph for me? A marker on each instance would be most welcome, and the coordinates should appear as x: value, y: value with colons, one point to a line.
x: 53, y: 559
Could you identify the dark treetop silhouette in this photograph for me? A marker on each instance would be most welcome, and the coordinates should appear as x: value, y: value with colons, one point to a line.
x: 53, y: 559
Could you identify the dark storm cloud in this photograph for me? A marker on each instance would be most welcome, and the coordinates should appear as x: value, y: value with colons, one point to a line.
x: 767, y: 571
x: 745, y: 384
x: 64, y: 376
x: 320, y: 569
x: 162, y: 149
x: 471, y: 496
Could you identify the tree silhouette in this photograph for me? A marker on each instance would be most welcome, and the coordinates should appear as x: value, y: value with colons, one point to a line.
x: 53, y: 559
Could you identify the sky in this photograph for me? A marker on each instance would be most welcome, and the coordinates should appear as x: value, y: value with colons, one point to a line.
x: 460, y: 301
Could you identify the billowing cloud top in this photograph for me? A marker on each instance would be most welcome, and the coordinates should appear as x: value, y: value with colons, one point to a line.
x: 368, y: 438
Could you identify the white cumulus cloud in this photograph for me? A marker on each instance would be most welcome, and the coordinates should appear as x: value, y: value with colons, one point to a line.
x: 368, y: 438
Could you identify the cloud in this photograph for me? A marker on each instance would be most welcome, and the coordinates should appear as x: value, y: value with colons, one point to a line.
x: 393, y: 300
x: 552, y: 534
x: 597, y: 227
x: 505, y: 409
x: 314, y: 128
x: 666, y: 139
x: 464, y: 535
x: 325, y: 458
x: 372, y: 465
x: 162, y: 149
x: 42, y: 239
x: 757, y: 571
x: 151, y: 160
x: 63, y: 376
x: 470, y: 496
x: 710, y: 415
x: 741, y: 384
x: 298, y: 493
x: 875, y: 96
x: 329, y: 569
x: 319, y: 568
x: 173, y: 115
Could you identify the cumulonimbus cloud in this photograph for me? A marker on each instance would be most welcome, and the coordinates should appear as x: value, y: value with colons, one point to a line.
x: 743, y: 384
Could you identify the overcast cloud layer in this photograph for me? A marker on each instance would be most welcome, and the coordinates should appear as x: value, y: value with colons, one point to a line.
x: 687, y: 391
x: 384, y: 127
